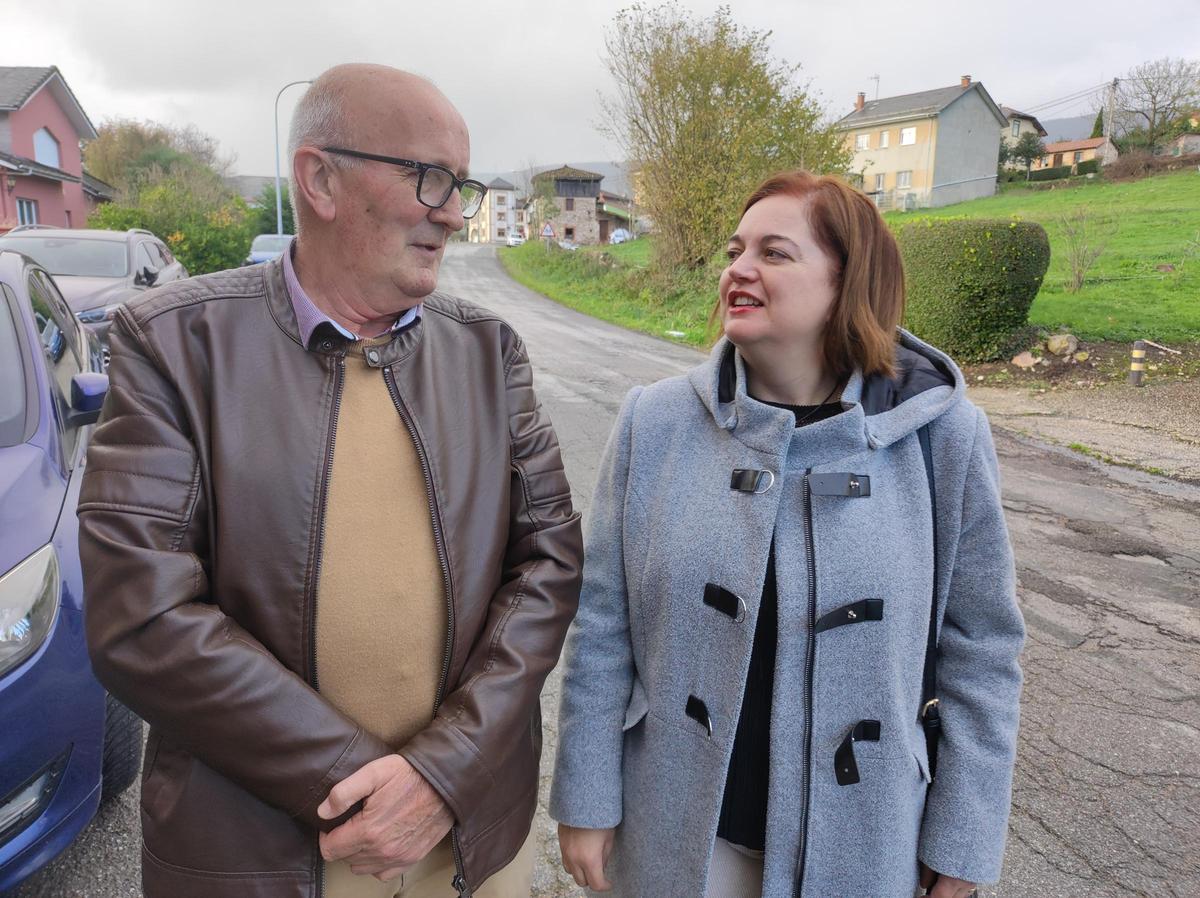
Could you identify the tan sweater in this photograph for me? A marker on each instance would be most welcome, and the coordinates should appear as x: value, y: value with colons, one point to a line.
x: 381, y: 605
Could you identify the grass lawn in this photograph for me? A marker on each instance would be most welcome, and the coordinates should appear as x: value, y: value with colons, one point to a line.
x: 1154, y: 221
x: 614, y: 283
x: 633, y: 253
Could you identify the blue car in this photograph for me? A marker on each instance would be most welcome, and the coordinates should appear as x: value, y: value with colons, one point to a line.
x: 64, y: 744
x: 267, y: 247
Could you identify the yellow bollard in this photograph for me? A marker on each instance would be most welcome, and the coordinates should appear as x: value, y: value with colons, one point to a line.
x: 1137, y: 363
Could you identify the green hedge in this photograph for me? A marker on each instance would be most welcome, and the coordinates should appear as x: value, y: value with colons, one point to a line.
x: 1050, y: 174
x: 1087, y: 167
x: 971, y: 282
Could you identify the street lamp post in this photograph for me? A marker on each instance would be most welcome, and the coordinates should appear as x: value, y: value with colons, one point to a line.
x: 278, y: 192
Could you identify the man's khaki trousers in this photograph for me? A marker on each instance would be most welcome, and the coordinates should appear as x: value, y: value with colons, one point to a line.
x: 431, y: 877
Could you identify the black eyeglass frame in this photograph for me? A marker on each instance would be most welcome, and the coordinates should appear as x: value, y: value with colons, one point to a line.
x: 456, y: 183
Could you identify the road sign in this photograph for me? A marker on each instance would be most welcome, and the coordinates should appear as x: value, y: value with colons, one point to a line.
x: 548, y: 231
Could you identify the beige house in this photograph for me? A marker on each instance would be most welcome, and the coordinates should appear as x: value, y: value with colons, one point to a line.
x: 576, y: 194
x: 1019, y: 123
x: 931, y: 148
x: 1072, y: 152
x: 500, y: 215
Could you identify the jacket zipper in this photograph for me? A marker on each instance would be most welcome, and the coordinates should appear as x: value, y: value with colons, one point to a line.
x: 318, y: 549
x: 460, y: 882
x: 809, y: 663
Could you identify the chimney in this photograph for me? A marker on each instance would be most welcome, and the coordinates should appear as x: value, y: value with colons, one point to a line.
x: 860, y: 102
x: 966, y: 81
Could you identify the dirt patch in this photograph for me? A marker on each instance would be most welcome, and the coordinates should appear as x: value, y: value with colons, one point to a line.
x: 1106, y: 363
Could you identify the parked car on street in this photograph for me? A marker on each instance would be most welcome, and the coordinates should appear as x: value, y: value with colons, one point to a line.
x: 266, y: 247
x: 64, y: 744
x: 97, y: 271
x: 514, y: 238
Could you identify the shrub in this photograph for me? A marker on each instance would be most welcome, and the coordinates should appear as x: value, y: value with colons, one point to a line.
x: 1087, y: 167
x: 206, y: 226
x: 1050, y: 174
x: 971, y: 282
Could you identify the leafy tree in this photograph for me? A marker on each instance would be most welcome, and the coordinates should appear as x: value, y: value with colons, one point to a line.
x: 264, y: 220
x: 1155, y: 94
x: 706, y: 113
x: 1027, y: 149
x: 1005, y: 156
x: 131, y: 155
x: 206, y: 225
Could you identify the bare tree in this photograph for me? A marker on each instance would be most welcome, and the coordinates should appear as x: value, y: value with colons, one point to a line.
x: 1085, y: 238
x: 1155, y: 94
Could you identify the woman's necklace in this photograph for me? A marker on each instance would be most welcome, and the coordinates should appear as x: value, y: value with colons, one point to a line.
x: 800, y: 422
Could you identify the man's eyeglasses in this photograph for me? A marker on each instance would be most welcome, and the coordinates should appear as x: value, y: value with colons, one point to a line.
x: 435, y: 183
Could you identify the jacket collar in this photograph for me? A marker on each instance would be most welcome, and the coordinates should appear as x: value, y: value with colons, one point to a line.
x: 401, y: 345
x: 885, y: 409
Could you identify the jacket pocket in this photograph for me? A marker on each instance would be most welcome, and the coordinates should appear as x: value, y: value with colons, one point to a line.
x: 196, y: 820
x: 638, y: 706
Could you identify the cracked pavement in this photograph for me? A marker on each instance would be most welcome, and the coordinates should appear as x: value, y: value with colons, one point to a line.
x: 1106, y: 798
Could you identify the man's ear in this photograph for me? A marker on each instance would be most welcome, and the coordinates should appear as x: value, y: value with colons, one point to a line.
x: 314, y: 180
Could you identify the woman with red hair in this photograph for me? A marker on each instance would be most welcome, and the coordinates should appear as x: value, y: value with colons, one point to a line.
x: 794, y: 668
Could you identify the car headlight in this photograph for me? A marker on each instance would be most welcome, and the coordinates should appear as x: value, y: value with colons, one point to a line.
x: 29, y: 598
x: 101, y: 313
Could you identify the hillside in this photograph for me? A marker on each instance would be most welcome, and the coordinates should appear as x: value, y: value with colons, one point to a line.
x: 1146, y: 284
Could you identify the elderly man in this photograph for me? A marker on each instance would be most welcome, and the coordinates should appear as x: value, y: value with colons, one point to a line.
x: 329, y: 545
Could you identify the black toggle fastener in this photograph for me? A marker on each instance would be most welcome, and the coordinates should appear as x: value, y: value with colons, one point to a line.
x: 748, y: 480
x: 845, y: 767
x: 854, y: 613
x: 856, y: 486
x: 698, y: 711
x: 726, y: 602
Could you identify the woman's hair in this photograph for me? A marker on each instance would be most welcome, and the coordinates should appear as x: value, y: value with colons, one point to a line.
x: 869, y: 277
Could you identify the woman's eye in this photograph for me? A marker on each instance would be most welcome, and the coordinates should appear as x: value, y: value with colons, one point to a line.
x: 732, y: 254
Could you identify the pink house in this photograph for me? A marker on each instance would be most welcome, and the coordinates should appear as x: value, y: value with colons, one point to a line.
x: 41, y: 169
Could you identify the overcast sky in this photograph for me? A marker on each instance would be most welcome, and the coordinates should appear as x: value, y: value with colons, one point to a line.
x: 526, y: 73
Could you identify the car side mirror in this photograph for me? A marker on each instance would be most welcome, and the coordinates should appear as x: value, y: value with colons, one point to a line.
x: 88, y: 390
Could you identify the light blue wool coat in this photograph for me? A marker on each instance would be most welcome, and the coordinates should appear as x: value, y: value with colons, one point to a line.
x: 665, y: 522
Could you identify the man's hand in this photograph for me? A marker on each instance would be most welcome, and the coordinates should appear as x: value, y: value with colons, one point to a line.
x: 939, y: 886
x: 402, y: 819
x: 585, y: 854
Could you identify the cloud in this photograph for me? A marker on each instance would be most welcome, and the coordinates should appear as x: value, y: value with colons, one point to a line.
x: 526, y: 73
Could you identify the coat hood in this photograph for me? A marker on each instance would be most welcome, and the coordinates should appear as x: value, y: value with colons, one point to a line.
x: 926, y: 385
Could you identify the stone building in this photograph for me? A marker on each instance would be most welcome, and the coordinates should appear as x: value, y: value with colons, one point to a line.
x: 576, y: 194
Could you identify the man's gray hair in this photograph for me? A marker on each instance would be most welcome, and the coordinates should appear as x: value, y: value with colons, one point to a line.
x: 319, y: 121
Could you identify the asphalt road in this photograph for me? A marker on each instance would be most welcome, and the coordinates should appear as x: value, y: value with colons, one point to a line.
x: 1107, y: 789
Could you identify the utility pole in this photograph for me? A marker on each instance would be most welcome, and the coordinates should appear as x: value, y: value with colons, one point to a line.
x: 1110, y: 108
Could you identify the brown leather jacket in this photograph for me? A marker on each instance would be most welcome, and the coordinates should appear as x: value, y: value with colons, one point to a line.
x: 200, y: 532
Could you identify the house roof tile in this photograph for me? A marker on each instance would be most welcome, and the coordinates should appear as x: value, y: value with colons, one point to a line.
x: 19, y: 165
x: 925, y: 103
x: 566, y: 173
x: 1064, y: 146
x: 18, y: 82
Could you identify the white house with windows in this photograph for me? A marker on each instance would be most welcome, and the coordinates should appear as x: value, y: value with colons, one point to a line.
x: 930, y: 148
x: 501, y: 214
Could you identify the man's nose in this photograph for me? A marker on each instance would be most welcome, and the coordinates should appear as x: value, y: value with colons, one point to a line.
x: 449, y: 214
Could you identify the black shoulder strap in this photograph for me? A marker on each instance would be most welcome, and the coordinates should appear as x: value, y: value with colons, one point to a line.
x: 930, y: 718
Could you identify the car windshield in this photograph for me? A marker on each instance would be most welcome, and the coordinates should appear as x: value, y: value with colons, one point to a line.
x: 81, y: 257
x: 12, y: 378
x: 270, y: 243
